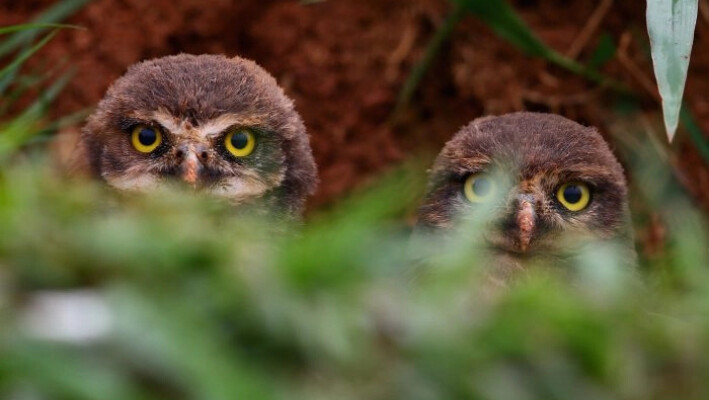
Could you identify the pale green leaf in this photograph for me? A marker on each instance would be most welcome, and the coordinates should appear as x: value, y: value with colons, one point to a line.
x: 670, y: 24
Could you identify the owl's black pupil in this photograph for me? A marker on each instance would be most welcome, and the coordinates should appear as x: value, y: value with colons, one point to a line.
x: 147, y: 137
x: 240, y: 140
x: 573, y: 194
x: 481, y: 187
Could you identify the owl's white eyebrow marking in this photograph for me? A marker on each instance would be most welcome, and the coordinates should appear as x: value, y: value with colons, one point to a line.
x: 206, y: 129
x: 168, y: 121
x: 221, y: 123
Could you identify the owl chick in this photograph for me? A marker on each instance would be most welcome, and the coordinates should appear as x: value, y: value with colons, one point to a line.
x: 546, y: 186
x: 220, y: 125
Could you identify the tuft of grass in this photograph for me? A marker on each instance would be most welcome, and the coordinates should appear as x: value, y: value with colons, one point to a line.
x: 19, y: 128
x: 50, y: 18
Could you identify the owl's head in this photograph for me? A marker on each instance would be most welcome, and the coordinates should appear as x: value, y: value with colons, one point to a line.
x: 220, y: 125
x: 546, y: 185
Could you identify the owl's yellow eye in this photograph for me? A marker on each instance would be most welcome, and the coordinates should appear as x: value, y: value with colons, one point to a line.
x: 479, y: 188
x: 240, y: 142
x: 575, y: 196
x: 145, y: 139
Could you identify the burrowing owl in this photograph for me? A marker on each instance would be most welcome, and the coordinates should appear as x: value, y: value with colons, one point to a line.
x: 548, y: 186
x: 221, y: 125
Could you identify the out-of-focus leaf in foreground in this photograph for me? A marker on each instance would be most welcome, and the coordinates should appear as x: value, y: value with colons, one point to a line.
x: 670, y: 24
x: 205, y: 303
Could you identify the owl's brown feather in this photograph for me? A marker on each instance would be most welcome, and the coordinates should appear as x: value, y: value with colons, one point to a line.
x: 536, y: 153
x: 196, y: 99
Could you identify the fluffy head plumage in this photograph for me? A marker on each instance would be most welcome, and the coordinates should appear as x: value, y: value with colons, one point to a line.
x: 195, y: 101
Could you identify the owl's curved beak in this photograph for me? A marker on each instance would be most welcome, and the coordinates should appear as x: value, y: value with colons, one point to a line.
x: 526, y: 220
x: 191, y: 168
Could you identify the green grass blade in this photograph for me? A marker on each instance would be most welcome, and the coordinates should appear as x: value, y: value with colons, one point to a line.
x: 434, y: 47
x: 26, y: 54
x: 16, y: 133
x: 670, y: 25
x: 695, y: 133
x: 73, y: 119
x: 18, y: 85
x: 6, y: 81
x: 24, y: 27
x: 505, y: 22
x: 508, y: 25
x: 604, y: 52
x: 39, y: 106
x: 56, y: 13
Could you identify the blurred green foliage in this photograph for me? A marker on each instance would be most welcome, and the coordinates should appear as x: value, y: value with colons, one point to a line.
x: 195, y: 301
x: 205, y: 303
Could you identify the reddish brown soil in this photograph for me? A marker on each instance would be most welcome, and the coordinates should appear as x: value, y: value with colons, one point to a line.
x: 344, y: 63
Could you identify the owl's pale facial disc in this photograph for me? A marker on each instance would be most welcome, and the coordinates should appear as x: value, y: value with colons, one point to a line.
x: 525, y: 217
x: 197, y: 158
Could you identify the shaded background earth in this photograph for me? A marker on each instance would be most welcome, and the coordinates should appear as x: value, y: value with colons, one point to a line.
x: 344, y: 62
